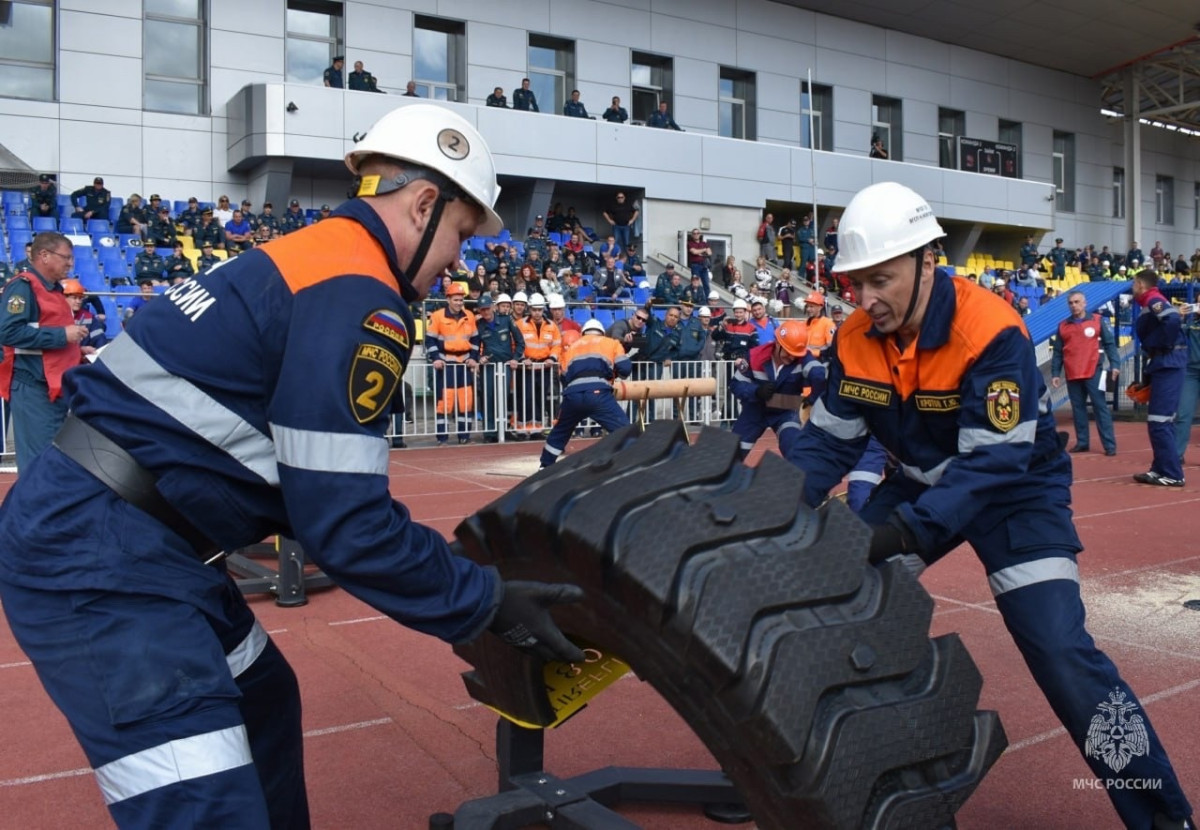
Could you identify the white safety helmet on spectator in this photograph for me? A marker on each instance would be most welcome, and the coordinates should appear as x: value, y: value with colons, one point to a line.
x: 714, y: 295
x: 882, y: 222
x: 705, y: 311
x: 520, y: 297
x: 556, y: 301
x: 739, y: 303
x: 537, y: 301
x: 593, y: 325
x: 437, y: 139
x: 503, y: 298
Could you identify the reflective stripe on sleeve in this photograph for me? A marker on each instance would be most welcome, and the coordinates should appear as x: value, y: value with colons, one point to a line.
x: 788, y: 425
x: 1031, y: 573
x: 186, y: 403
x: 174, y: 762
x: 930, y: 477
x: 846, y: 429
x: 1160, y: 418
x: 971, y: 439
x: 247, y: 651
x: 26, y: 351
x: 330, y: 452
x: 864, y: 475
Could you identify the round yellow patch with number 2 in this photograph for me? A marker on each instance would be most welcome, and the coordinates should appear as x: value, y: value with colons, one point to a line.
x: 374, y: 375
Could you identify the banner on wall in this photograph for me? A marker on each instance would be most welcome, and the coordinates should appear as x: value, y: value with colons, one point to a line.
x: 975, y: 155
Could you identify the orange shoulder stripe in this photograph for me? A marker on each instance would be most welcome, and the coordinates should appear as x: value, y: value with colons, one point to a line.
x: 333, y: 248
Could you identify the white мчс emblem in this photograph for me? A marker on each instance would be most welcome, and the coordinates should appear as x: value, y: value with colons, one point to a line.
x: 1117, y: 737
x: 1088, y: 331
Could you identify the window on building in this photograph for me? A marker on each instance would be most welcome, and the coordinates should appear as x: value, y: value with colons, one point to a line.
x: 173, y: 56
x: 1011, y: 133
x: 1064, y: 171
x: 440, y: 58
x: 314, y: 35
x: 951, y: 125
x: 651, y: 77
x: 820, y: 106
x: 735, y: 104
x: 27, y: 49
x: 1164, y: 200
x: 1118, y: 207
x: 887, y: 123
x: 551, y: 70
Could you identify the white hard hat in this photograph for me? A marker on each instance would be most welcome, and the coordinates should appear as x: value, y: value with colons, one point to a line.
x: 705, y: 311
x: 714, y: 295
x: 882, y: 222
x: 593, y: 325
x: 520, y: 297
x: 537, y: 301
x: 644, y: 284
x: 557, y: 301
x: 998, y: 284
x: 739, y: 303
x: 1105, y: 263
x: 437, y: 139
x: 503, y: 298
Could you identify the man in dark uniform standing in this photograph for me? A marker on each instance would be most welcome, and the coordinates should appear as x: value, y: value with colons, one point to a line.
x: 524, y: 99
x: 179, y: 698
x: 502, y: 348
x: 41, y: 342
x: 333, y: 74
x: 945, y: 377
x: 1164, y: 352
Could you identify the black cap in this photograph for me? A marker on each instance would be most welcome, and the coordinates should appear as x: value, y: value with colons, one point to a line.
x: 98, y: 180
x: 539, y: 216
x: 206, y: 212
x: 149, y: 242
x: 670, y: 266
x: 324, y: 207
x: 247, y: 202
x: 268, y: 205
x: 1059, y: 239
x: 337, y: 58
x: 295, y: 203
x: 164, y: 209
x: 193, y: 201
x: 45, y: 177
x: 154, y: 197
x: 206, y: 244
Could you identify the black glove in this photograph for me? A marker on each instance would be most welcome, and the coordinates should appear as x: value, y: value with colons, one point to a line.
x: 764, y: 391
x: 523, y: 619
x: 889, y: 539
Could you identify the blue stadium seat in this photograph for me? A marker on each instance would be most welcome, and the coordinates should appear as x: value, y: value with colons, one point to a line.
x: 131, y: 253
x: 99, y: 226
x: 17, y: 222
x: 471, y: 264
x: 64, y: 202
x: 70, y: 225
x: 112, y: 317
x: 12, y: 196
x: 641, y: 296
x: 605, y: 316
x: 44, y: 223
x: 585, y: 292
x: 17, y: 241
x: 504, y: 235
x: 178, y: 207
x: 129, y: 240
x: 92, y: 282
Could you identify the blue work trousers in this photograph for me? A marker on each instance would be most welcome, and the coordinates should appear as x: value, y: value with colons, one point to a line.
x: 577, y: 406
x: 36, y: 419
x: 1027, y: 544
x: 1189, y: 394
x: 1080, y: 392
x: 1166, y: 385
x: 756, y: 417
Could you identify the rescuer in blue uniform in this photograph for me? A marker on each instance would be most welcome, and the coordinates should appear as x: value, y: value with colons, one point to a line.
x: 1165, y: 353
x: 216, y: 420
x: 945, y: 376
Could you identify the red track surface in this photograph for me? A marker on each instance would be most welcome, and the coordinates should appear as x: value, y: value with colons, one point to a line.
x: 392, y: 736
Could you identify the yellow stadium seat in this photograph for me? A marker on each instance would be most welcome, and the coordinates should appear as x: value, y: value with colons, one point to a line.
x: 194, y: 256
x: 188, y: 243
x: 219, y: 254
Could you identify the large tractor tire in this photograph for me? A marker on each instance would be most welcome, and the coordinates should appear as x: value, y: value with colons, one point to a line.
x: 809, y: 674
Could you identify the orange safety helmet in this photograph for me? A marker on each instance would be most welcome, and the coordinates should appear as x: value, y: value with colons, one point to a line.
x: 1138, y: 392
x: 71, y: 287
x: 456, y: 289
x: 569, y: 337
x: 792, y: 337
x: 815, y: 298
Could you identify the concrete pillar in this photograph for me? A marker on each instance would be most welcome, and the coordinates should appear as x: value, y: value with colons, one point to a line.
x: 1133, y: 163
x: 271, y: 181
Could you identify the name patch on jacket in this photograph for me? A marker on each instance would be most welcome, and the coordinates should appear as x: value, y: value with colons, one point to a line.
x: 389, y: 324
x: 865, y: 392
x: 374, y: 375
x: 938, y: 403
x: 1003, y: 404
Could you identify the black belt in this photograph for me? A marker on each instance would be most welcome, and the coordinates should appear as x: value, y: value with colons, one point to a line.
x: 120, y: 472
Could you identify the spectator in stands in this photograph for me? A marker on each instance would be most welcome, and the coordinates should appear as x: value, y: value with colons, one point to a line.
x: 85, y: 316
x: 452, y: 347
x: 633, y: 264
x: 621, y: 215
x: 293, y: 218
x: 500, y: 346
x: 558, y: 314
x: 96, y: 201
x: 726, y: 271
x: 162, y: 229
x: 830, y: 243
x: 362, y: 80
x: 268, y: 219
x: 669, y: 286
x: 178, y: 266
x: 543, y: 352
x: 145, y: 295
x: 574, y: 108
x: 1047, y: 295
x: 662, y: 119
x: 1135, y: 252
x: 806, y: 236
x: 44, y: 197
x: 191, y: 216
x: 149, y: 264
x: 209, y: 231
x: 877, y: 149
x: 1157, y: 254
x: 699, y: 256
x: 1023, y: 306
x: 332, y: 76
x: 133, y: 218
x: 410, y: 90
x: 763, y: 324
x: 1159, y: 327
x: 25, y: 264
x: 498, y: 98
x: 248, y: 214
x: 1189, y: 392
x: 524, y: 99
x: 1076, y: 355
x: 1195, y: 262
x: 1181, y: 267
x: 766, y: 238
x: 818, y: 329
x: 610, y: 282
x: 1029, y: 252
x: 616, y: 114
x: 1059, y: 257
x: 322, y: 214
x: 207, y: 258
x: 694, y: 293
x: 223, y: 211
x: 787, y: 242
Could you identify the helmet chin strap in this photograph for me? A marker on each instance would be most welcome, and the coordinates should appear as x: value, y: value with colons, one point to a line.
x: 919, y: 256
x: 435, y: 219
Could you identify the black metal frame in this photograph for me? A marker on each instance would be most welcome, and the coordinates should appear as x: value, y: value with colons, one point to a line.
x: 531, y: 796
x: 288, y: 582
